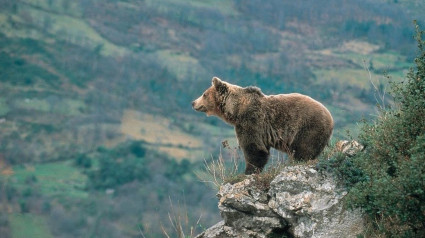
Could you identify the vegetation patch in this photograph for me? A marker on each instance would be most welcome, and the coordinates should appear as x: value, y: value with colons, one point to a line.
x: 359, y: 47
x: 56, y: 179
x: 18, y: 71
x: 160, y: 133
x: 63, y: 106
x: 365, y: 63
x: 224, y: 7
x: 123, y: 165
x: 71, y: 29
x: 58, y: 6
x: 33, y: 104
x: 393, y: 162
x: 352, y: 77
x: 181, y: 65
x: 4, y: 108
x: 28, y: 225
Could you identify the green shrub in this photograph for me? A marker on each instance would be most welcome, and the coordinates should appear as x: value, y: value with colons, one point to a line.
x: 341, y: 166
x: 394, y: 159
x: 83, y: 161
x: 137, y: 149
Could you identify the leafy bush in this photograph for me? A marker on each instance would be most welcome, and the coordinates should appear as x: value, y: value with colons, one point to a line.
x: 393, y: 193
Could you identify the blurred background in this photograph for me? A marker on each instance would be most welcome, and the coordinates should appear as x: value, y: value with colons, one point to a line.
x: 97, y: 134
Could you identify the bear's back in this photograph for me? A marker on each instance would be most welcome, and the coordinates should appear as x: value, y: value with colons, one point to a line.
x: 298, y: 109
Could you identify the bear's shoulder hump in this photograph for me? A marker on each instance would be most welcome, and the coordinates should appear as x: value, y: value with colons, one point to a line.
x: 255, y: 90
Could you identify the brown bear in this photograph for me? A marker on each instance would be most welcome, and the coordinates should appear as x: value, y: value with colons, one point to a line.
x: 292, y: 123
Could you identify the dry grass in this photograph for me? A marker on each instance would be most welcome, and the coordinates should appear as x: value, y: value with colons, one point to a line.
x: 180, y: 223
x: 220, y: 171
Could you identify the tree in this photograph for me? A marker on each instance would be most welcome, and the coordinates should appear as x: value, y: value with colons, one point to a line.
x: 124, y: 164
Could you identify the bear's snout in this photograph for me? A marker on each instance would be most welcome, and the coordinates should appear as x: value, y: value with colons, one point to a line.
x: 197, y: 106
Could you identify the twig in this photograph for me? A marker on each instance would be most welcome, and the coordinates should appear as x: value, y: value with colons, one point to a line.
x: 141, y: 232
x: 380, y: 96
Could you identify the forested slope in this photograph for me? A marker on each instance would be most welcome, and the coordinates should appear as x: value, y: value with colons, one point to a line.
x: 82, y: 80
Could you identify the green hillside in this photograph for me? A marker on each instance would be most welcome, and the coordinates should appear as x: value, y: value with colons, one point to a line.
x: 82, y: 81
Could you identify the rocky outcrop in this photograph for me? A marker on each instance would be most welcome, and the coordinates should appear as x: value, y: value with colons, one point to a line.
x: 301, y: 202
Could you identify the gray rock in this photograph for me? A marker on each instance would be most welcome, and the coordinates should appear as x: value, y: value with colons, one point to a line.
x: 245, y: 208
x: 219, y: 230
x: 301, y: 202
x: 316, y: 208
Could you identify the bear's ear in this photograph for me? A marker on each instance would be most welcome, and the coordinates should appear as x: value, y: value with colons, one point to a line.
x: 215, y: 81
x: 219, y: 85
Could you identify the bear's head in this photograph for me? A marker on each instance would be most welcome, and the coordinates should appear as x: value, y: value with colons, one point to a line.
x: 213, y: 98
x: 226, y: 100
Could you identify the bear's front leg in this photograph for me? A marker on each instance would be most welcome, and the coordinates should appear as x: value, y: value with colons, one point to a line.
x: 256, y: 153
x: 255, y: 158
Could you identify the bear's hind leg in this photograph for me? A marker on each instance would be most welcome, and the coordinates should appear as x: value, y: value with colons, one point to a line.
x: 310, y: 145
x: 304, y: 153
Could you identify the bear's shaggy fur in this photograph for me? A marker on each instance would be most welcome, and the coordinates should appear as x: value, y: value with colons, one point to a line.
x: 293, y: 123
